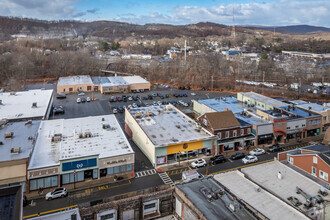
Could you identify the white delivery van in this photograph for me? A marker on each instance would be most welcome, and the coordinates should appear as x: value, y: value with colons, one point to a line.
x: 190, y: 175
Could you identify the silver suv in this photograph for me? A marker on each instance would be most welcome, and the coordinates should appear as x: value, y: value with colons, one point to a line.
x: 56, y: 193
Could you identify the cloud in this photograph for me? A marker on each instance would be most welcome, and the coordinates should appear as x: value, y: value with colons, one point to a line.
x: 284, y: 12
x: 93, y: 11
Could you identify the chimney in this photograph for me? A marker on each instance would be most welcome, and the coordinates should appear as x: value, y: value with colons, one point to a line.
x: 226, y: 109
x: 279, y: 175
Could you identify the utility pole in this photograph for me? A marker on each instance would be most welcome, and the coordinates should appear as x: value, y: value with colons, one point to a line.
x: 212, y: 82
x: 185, y: 52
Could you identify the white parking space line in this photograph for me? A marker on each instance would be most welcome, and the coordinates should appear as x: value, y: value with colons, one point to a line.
x: 230, y: 161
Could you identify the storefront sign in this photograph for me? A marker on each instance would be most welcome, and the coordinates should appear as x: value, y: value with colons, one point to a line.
x: 80, y: 164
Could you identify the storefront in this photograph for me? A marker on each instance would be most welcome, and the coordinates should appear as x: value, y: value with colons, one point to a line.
x: 313, y: 132
x: 265, y: 139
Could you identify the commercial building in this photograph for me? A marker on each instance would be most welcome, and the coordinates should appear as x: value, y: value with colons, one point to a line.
x: 259, y: 101
x: 166, y: 135
x: 16, y: 144
x: 110, y: 84
x: 307, y: 55
x: 323, y: 110
x: 220, y: 104
x: 26, y: 105
x: 206, y: 199
x: 314, y: 159
x: 137, y: 83
x: 72, y: 152
x: 11, y: 202
x: 284, y: 182
x: 72, y: 84
x: 232, y: 134
x: 262, y: 202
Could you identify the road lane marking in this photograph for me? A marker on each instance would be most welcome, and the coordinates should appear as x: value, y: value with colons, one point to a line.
x: 230, y: 160
x: 51, y: 211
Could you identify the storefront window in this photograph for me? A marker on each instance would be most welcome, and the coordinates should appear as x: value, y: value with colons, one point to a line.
x: 46, y: 182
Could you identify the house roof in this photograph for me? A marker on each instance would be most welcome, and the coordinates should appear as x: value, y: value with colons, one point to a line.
x: 325, y: 157
x: 221, y: 120
x: 317, y: 148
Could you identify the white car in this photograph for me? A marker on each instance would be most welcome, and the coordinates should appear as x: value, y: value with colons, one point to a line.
x: 130, y: 98
x: 134, y: 105
x: 57, y: 193
x: 198, y: 163
x: 88, y: 99
x: 193, y: 93
x: 249, y: 159
x: 78, y: 100
x: 159, y: 103
x: 81, y: 93
x: 257, y: 151
x: 114, y: 111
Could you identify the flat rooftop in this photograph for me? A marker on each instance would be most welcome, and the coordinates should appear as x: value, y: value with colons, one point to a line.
x: 63, y: 215
x: 266, y: 175
x: 315, y: 107
x: 197, y: 192
x: 106, y: 140
x: 99, y: 80
x: 18, y: 105
x: 251, y: 119
x: 134, y: 79
x: 222, y: 103
x: 23, y: 137
x: 10, y: 202
x: 116, y: 81
x: 320, y: 148
x: 264, y: 99
x: 264, y: 202
x: 74, y: 80
x: 169, y: 126
x: 299, y: 112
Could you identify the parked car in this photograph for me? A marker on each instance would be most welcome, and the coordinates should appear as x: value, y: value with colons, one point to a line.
x: 147, y: 105
x: 58, y: 110
x: 193, y: 94
x: 162, y: 97
x: 275, y: 148
x: 154, y: 94
x: 185, y: 95
x: 114, y: 110
x: 134, y: 105
x: 130, y: 98
x: 88, y: 99
x: 57, y: 193
x: 159, y: 103
x: 112, y: 99
x: 150, y: 97
x: 198, y: 163
x: 257, y: 151
x: 83, y: 100
x: 155, y: 103
x: 61, y: 96
x: 249, y: 159
x: 78, y: 100
x: 120, y: 109
x: 134, y: 97
x: 217, y: 159
x: 145, y: 98
x: 119, y: 99
x: 81, y: 93
x: 237, y: 156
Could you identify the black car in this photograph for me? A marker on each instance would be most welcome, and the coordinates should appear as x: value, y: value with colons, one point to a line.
x: 120, y: 109
x: 83, y: 100
x: 217, y: 159
x: 134, y: 97
x: 58, y: 110
x: 237, y: 156
x: 61, y: 96
x: 150, y: 97
x: 25, y: 201
x: 275, y: 148
x: 144, y: 98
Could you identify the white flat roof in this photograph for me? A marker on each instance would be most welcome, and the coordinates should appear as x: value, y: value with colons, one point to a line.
x: 115, y: 81
x: 134, y: 79
x: 264, y: 202
x: 19, y: 104
x: 315, y: 107
x: 74, y: 80
x: 106, y: 143
x: 265, y: 175
x: 170, y: 126
x: 264, y: 99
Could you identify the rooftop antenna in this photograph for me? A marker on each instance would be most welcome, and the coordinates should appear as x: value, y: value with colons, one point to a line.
x: 233, y: 32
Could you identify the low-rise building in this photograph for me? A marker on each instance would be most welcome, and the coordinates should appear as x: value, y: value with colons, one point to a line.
x: 314, y: 159
x: 262, y: 202
x: 220, y: 104
x: 16, y: 144
x: 69, y: 214
x: 110, y: 84
x: 166, y: 135
x: 206, y: 199
x: 137, y: 83
x: 284, y: 182
x: 72, y: 84
x: 26, y: 105
x: 232, y: 134
x: 68, y: 152
x: 260, y: 101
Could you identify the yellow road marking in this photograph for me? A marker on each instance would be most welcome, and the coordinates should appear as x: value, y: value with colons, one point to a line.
x: 51, y: 211
x: 247, y: 165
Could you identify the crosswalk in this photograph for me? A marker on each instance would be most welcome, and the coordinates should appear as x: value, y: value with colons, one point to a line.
x: 166, y: 179
x: 145, y: 173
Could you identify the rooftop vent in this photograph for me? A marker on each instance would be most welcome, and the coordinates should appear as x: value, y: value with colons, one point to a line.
x: 279, y: 175
x: 1, y: 143
x: 34, y: 105
x: 88, y: 134
x: 137, y: 115
x: 103, y: 119
x: 12, y: 93
x: 149, y: 113
x: 258, y: 189
x: 178, y: 126
x: 15, y: 150
x: 29, y: 122
x: 105, y: 126
x: 9, y: 134
x: 57, y: 137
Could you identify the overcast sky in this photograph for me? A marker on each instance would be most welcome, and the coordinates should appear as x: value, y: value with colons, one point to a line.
x: 247, y: 12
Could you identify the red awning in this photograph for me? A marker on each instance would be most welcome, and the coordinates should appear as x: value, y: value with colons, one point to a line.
x: 280, y: 131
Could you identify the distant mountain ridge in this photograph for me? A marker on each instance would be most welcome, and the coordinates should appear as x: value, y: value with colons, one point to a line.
x: 293, y: 29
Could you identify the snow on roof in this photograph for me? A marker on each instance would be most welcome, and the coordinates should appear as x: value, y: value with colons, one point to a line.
x: 18, y: 105
x: 315, y: 107
x: 134, y: 79
x: 106, y: 140
x: 115, y: 81
x: 263, y: 201
x: 266, y: 175
x: 252, y: 119
x: 23, y: 137
x: 74, y: 80
x: 264, y: 99
x: 169, y: 126
x: 220, y: 104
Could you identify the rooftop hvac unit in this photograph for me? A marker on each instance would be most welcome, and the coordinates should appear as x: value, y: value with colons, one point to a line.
x: 12, y: 93
x: 15, y: 150
x: 167, y: 107
x: 1, y: 143
x: 34, y: 105
x: 88, y: 134
x: 105, y: 126
x: 149, y: 113
x: 57, y: 138
x: 178, y: 126
x: 9, y: 134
